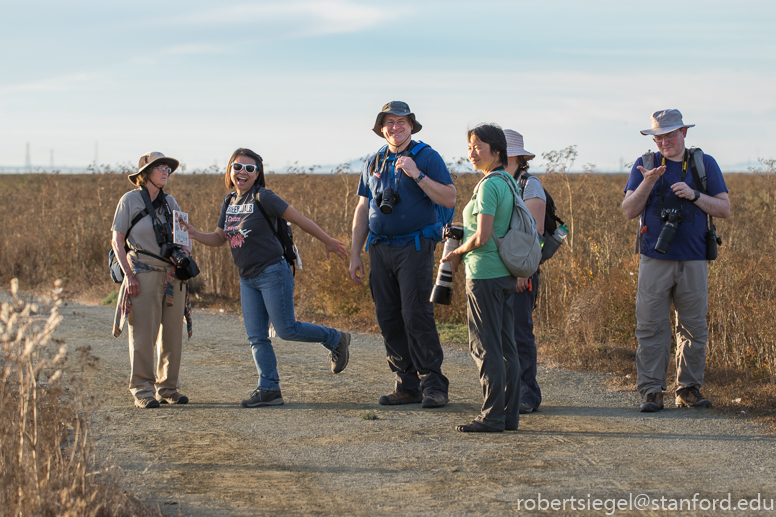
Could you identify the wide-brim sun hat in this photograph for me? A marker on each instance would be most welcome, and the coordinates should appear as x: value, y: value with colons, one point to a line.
x: 664, y: 122
x: 397, y: 108
x: 151, y: 160
x: 515, y: 145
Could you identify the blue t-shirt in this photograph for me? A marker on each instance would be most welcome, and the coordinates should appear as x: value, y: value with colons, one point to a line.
x: 689, y: 243
x: 415, y: 210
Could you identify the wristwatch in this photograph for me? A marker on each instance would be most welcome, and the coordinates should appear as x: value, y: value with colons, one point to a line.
x: 420, y: 177
x: 697, y: 196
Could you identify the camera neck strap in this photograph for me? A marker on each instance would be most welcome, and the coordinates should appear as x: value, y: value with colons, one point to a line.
x: 151, y: 207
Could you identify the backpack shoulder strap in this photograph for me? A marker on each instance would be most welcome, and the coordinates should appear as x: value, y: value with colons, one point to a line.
x: 416, y: 147
x: 698, y: 169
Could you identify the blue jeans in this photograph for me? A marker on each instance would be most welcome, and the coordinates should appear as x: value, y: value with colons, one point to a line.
x: 269, y: 297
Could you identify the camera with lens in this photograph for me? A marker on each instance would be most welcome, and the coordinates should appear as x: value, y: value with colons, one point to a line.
x: 671, y: 217
x: 186, y: 268
x: 443, y: 288
x: 387, y: 199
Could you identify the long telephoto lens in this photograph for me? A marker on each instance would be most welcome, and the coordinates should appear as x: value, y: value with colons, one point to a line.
x: 666, y: 237
x: 443, y: 288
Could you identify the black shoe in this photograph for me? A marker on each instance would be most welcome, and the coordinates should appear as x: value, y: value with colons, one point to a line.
x: 146, y: 403
x: 691, y: 397
x: 175, y: 398
x: 476, y: 427
x: 399, y: 397
x: 340, y: 355
x: 525, y: 409
x: 434, y: 399
x: 261, y: 398
x: 652, y: 402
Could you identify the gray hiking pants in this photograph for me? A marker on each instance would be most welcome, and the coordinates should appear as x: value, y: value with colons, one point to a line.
x: 686, y: 284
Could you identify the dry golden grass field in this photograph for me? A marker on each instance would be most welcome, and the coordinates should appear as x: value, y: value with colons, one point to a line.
x: 58, y: 227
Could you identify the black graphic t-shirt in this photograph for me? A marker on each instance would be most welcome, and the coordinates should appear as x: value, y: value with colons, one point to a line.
x: 253, y: 243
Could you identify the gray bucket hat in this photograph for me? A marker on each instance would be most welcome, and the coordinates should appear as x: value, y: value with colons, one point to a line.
x: 664, y: 122
x: 400, y: 109
x: 515, y: 145
x: 150, y: 160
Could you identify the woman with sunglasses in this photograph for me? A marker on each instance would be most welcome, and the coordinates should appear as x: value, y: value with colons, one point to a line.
x: 266, y: 282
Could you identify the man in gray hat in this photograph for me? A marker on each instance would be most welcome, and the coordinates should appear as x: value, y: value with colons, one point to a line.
x: 397, y: 219
x: 674, y: 202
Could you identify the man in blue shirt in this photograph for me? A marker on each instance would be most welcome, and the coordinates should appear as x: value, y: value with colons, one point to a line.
x: 669, y: 194
x: 396, y: 218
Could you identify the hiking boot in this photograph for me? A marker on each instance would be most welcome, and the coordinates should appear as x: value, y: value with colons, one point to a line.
x: 524, y: 408
x: 261, y: 398
x: 691, y: 397
x: 146, y: 403
x: 652, y: 402
x: 435, y: 399
x: 175, y: 398
x: 340, y: 355
x: 399, y: 397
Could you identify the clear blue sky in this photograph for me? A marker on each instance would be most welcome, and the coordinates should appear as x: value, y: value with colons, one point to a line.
x: 302, y: 81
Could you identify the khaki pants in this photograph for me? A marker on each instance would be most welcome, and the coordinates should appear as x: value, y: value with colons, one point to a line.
x: 686, y: 284
x: 148, y: 314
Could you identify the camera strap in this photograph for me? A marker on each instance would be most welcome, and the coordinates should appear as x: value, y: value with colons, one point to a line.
x: 156, y: 223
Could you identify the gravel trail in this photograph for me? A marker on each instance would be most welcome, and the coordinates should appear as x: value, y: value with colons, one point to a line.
x: 315, y: 455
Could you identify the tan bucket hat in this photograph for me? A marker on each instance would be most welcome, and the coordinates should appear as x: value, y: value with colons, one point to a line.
x: 150, y: 160
x: 515, y: 145
x: 401, y: 109
x: 664, y: 122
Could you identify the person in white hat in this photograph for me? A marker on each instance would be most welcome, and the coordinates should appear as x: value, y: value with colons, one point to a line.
x: 525, y: 296
x: 674, y: 205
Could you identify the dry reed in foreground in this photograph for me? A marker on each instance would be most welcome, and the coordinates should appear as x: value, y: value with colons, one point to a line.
x: 46, y: 461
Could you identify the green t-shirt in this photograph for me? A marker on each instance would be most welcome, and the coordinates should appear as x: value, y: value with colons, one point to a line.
x: 495, y: 198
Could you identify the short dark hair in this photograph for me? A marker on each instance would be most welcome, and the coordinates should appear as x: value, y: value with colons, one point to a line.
x: 493, y: 135
x: 250, y: 154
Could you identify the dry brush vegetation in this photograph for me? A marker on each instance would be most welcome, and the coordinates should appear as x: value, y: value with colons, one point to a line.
x: 58, y: 226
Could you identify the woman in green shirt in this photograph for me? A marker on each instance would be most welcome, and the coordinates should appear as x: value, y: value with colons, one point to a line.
x: 489, y: 284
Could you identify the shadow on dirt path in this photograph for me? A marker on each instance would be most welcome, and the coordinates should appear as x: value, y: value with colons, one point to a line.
x: 315, y: 455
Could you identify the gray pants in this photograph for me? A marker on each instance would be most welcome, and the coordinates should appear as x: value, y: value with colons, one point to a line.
x: 492, y: 345
x: 686, y: 284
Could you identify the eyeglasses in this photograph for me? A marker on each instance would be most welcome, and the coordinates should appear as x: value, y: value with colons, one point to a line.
x: 250, y: 169
x: 667, y: 136
x: 163, y: 168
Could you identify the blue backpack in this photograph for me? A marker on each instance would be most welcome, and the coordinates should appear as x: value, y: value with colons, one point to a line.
x: 444, y: 214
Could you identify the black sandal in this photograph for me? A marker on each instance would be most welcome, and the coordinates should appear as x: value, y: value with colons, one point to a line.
x: 476, y: 427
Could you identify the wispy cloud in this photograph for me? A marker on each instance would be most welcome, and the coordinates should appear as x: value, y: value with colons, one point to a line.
x: 294, y: 18
x: 52, y: 84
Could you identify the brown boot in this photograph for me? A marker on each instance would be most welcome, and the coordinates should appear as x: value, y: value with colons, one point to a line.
x: 691, y: 397
x: 652, y: 402
x: 399, y: 397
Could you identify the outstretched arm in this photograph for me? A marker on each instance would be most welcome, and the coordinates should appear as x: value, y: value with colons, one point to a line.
x: 213, y: 239
x: 635, y: 200
x: 332, y: 245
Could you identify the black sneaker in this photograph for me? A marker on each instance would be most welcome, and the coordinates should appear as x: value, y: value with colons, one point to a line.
x: 652, y: 402
x: 691, y: 397
x: 435, y: 399
x: 340, y: 355
x: 175, y: 398
x: 260, y: 398
x: 146, y: 403
x: 399, y: 397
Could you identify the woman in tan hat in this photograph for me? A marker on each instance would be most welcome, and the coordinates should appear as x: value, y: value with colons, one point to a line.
x: 150, y: 296
x: 527, y: 288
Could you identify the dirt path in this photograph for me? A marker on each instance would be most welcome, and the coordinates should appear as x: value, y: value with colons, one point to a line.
x: 316, y: 456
